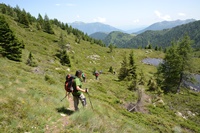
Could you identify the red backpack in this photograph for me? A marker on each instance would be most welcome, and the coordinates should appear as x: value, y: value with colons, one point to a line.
x: 69, y: 83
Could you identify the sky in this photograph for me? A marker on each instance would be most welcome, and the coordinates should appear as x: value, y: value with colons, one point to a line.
x: 122, y: 14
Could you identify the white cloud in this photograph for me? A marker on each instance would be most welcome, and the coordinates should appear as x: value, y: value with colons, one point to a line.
x: 99, y: 19
x: 77, y: 16
x: 158, y: 14
x: 136, y: 21
x: 161, y: 16
x: 181, y: 14
x: 57, y: 4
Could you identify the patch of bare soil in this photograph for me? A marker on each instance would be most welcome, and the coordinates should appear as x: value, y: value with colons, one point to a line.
x: 140, y: 105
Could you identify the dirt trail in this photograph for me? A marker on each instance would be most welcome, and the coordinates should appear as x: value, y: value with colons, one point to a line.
x: 145, y: 99
x: 64, y: 119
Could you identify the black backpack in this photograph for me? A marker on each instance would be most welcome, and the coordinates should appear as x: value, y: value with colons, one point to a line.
x: 69, y: 83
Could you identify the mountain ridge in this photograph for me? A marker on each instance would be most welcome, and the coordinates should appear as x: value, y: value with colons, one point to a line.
x: 91, y: 28
x: 166, y: 25
x: 160, y: 38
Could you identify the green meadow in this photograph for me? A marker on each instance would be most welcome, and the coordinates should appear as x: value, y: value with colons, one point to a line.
x: 30, y: 97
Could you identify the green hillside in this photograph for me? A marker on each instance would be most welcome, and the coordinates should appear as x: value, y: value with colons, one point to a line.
x: 117, y: 38
x: 159, y: 38
x: 164, y: 38
x: 30, y: 98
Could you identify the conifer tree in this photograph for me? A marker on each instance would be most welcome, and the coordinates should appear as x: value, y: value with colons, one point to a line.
x: 47, y: 25
x: 30, y: 60
x: 69, y: 30
x: 132, y: 66
x: 40, y: 22
x: 123, y: 72
x: 64, y: 58
x: 156, y: 48
x: 18, y: 13
x: 132, y: 72
x: 10, y: 47
x: 110, y: 69
x: 175, y: 67
x: 23, y: 18
x: 111, y: 48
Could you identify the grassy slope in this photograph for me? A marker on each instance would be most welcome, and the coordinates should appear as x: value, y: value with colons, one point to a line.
x: 30, y: 97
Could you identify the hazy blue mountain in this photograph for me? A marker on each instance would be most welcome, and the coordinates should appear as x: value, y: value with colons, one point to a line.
x: 91, y: 28
x: 135, y: 30
x: 166, y: 25
x: 99, y: 35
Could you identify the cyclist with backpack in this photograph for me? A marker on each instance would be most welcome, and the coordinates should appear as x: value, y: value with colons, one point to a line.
x: 77, y: 90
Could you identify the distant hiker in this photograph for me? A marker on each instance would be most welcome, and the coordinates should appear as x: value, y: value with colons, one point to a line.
x: 96, y: 74
x: 100, y: 71
x: 114, y: 72
x: 84, y: 77
x: 77, y: 92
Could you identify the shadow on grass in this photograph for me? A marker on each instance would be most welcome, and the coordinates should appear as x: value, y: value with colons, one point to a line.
x: 64, y: 110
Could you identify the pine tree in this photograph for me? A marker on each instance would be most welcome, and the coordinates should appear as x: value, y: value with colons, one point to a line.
x: 184, y: 50
x: 61, y: 41
x: 40, y: 22
x: 10, y: 47
x: 111, y: 48
x: 47, y: 25
x: 30, y: 60
x: 132, y: 72
x: 69, y: 30
x: 175, y: 66
x: 64, y: 58
x: 23, y: 18
x: 110, y: 69
x: 132, y: 66
x: 156, y: 48
x: 123, y: 72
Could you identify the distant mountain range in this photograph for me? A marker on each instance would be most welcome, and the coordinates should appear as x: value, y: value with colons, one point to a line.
x: 91, y: 28
x: 158, y: 34
x: 159, y: 38
x: 165, y: 25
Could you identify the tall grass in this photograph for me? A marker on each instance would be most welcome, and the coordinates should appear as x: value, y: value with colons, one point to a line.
x: 30, y: 97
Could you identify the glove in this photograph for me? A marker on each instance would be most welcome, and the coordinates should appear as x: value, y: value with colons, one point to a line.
x: 86, y: 90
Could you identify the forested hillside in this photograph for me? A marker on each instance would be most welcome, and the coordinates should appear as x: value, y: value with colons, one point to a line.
x: 165, y: 37
x: 117, y: 38
x: 161, y: 38
x: 129, y: 96
x: 99, y: 35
